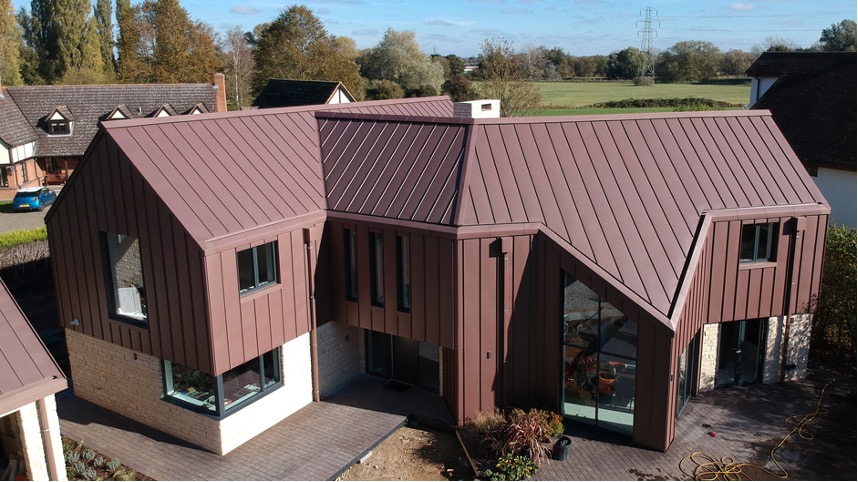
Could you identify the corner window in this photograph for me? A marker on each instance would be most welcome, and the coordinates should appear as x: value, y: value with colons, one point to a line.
x: 257, y: 267
x: 350, y: 238
x: 127, y: 292
x: 201, y: 392
x: 59, y: 127
x: 758, y: 242
x: 403, y: 274
x: 376, y: 269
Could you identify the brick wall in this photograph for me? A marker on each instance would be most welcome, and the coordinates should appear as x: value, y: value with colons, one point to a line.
x: 339, y: 355
x: 33, y: 450
x: 130, y: 383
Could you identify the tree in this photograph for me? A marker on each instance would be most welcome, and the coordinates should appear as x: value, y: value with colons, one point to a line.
x: 456, y: 83
x: 834, y: 321
x: 502, y: 77
x: 688, y: 61
x: 774, y: 43
x: 839, y: 37
x: 184, y: 50
x: 10, y: 42
x: 384, y: 89
x: 103, y: 14
x: 238, y: 67
x: 736, y: 62
x: 28, y: 56
x: 297, y: 46
x: 398, y: 58
x: 626, y: 64
x: 90, y: 69
x: 130, y: 67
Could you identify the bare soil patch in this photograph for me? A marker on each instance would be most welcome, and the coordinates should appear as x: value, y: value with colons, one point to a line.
x: 421, y: 453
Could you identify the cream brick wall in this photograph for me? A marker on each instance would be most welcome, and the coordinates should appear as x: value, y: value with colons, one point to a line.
x: 709, y: 357
x: 130, y: 383
x: 29, y: 433
x: 339, y: 355
x: 774, y: 339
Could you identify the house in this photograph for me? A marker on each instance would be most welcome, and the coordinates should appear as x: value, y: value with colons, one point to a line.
x: 293, y: 93
x: 50, y: 126
x: 29, y: 426
x: 812, y: 97
x: 607, y: 267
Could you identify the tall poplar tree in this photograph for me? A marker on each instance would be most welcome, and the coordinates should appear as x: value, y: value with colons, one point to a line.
x: 10, y: 42
x: 103, y: 13
x: 130, y: 67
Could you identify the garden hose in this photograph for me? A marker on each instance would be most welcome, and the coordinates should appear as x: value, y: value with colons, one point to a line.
x: 708, y: 468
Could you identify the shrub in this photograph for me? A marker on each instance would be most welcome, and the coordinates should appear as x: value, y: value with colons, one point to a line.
x: 491, y: 426
x: 112, y: 465
x: 512, y: 467
x: 384, y: 89
x: 676, y: 102
x: 644, y: 81
x: 833, y: 329
x: 123, y: 474
x: 22, y: 236
x: 525, y: 433
x: 89, y: 454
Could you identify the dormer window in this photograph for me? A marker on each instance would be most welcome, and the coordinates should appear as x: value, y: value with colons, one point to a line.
x: 165, y: 110
x: 60, y: 122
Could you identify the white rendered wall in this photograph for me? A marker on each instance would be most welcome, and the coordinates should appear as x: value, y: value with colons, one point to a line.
x: 838, y: 187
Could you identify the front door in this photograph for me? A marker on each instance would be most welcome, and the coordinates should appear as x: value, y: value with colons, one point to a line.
x: 740, y: 350
x: 402, y: 359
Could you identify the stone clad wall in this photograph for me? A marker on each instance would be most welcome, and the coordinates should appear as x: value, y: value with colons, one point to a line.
x: 339, y: 355
x: 130, y: 384
x: 709, y: 357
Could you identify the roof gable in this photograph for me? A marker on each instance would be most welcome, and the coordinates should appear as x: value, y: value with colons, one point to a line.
x: 14, y: 129
x: 291, y: 93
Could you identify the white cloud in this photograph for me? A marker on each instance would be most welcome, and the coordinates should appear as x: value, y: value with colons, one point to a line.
x: 742, y: 6
x: 244, y: 9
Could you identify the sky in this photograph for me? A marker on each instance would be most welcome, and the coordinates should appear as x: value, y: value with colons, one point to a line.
x: 580, y: 27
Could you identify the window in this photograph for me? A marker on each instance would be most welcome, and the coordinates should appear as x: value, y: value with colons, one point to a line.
x: 127, y: 293
x: 376, y: 269
x: 58, y: 127
x: 257, y: 267
x: 24, y: 174
x: 4, y: 177
x: 350, y: 236
x: 758, y: 242
x: 221, y: 395
x: 403, y: 274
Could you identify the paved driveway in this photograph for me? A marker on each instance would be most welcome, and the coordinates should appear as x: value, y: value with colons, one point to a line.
x: 11, y: 221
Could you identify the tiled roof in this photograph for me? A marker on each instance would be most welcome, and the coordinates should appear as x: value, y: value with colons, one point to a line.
x: 89, y: 104
x: 625, y: 193
x: 775, y: 64
x: 816, y: 110
x: 271, y: 158
x: 27, y: 371
x: 14, y: 129
x: 292, y: 93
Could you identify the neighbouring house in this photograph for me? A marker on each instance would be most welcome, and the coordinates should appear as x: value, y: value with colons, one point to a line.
x: 30, y: 442
x: 812, y: 97
x: 294, y: 93
x: 47, y: 128
x: 608, y: 267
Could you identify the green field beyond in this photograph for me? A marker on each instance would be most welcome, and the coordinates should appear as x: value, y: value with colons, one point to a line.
x: 573, y: 95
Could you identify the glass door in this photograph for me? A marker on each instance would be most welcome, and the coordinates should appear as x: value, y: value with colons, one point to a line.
x: 740, y: 349
x: 686, y: 372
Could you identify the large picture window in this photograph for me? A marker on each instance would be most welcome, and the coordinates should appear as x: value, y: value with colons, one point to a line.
x: 350, y: 238
x: 221, y: 395
x: 127, y: 292
x: 600, y: 359
x: 257, y: 267
x: 376, y: 269
x: 758, y: 242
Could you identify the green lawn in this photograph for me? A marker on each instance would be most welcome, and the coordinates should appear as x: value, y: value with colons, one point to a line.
x: 579, y: 94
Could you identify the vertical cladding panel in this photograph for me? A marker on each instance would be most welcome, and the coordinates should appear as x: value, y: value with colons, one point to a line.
x: 301, y: 285
x: 262, y: 314
x: 471, y: 349
x: 446, y: 296
x: 644, y: 385
x: 172, y: 312
x: 522, y: 293
x: 755, y: 294
x: 287, y: 292
x: 551, y: 357
x: 767, y: 284
x: 157, y: 307
x: 783, y: 255
x: 91, y: 239
x: 418, y: 287
x: 432, y: 289
x: 403, y: 319
x: 362, y: 248
x: 389, y: 268
x: 336, y: 250
x: 487, y: 296
x: 147, y: 261
x: 729, y: 256
x: 536, y: 330
x: 815, y: 264
x: 186, y: 303
x: 248, y: 330
x: 91, y: 326
x: 740, y: 305
x: 219, y: 336
x: 229, y: 278
x: 809, y: 253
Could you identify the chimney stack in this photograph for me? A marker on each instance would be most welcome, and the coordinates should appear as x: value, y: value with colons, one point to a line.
x: 220, y: 87
x: 477, y: 109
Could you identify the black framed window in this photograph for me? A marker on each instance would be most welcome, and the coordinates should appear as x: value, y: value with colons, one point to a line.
x: 124, y: 272
x: 758, y: 242
x: 257, y: 267
x: 403, y: 274
x: 58, y: 127
x: 4, y: 177
x: 224, y: 394
x: 350, y: 238
x: 376, y: 269
x: 24, y: 174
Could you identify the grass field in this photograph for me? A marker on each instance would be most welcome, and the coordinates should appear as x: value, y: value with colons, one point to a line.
x: 571, y: 95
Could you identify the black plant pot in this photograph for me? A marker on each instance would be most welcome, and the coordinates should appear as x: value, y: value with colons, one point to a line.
x: 561, y: 448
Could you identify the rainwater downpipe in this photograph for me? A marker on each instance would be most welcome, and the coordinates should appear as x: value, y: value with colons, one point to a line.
x: 47, y: 440
x: 311, y: 283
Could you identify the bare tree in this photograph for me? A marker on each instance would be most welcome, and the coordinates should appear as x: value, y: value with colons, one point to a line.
x: 503, y: 77
x: 238, y: 67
